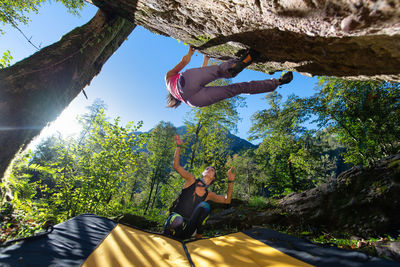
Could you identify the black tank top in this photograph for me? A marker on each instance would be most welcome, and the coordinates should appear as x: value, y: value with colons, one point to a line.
x: 188, y: 200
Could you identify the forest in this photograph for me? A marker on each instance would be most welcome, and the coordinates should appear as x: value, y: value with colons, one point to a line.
x: 114, y: 170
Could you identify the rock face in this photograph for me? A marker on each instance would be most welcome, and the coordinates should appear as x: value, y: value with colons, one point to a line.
x: 361, y: 201
x: 352, y: 39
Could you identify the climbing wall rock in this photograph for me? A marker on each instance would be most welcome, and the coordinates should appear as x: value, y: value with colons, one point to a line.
x: 353, y: 39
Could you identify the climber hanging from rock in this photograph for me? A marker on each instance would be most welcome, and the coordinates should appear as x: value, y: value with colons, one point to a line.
x: 190, y: 211
x: 190, y: 86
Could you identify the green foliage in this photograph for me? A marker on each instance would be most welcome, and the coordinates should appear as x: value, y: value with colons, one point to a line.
x: 247, y: 173
x: 14, y: 12
x: 161, y: 151
x: 345, y: 241
x: 107, y: 171
x: 292, y: 157
x: 92, y: 177
x: 339, y: 242
x: 20, y: 215
x: 19, y: 223
x: 5, y: 60
x: 364, y: 115
x: 258, y: 202
x: 66, y: 177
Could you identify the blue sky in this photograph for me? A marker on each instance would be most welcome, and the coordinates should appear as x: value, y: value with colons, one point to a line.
x: 131, y: 82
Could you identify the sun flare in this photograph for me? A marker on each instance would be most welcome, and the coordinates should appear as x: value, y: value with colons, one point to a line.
x: 66, y: 124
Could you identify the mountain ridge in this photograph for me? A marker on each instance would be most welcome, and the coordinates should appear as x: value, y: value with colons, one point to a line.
x: 236, y: 143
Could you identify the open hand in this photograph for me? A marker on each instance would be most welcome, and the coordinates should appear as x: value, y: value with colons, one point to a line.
x: 191, y: 51
x: 178, y: 140
x: 205, y: 61
x: 186, y: 58
x: 231, y: 174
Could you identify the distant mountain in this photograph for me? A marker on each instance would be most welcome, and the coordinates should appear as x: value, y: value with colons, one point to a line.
x: 237, y: 144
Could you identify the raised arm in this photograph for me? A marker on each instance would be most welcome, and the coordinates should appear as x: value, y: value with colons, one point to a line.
x: 185, y: 60
x: 205, y: 61
x: 228, y: 197
x: 182, y: 172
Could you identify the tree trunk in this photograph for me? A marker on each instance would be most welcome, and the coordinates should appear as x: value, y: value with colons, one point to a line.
x: 292, y: 176
x: 248, y: 179
x: 195, y: 145
x: 155, y: 194
x: 153, y: 182
x: 34, y: 91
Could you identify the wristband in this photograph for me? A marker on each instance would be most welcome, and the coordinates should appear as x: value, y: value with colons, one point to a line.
x: 179, y: 146
x: 230, y: 182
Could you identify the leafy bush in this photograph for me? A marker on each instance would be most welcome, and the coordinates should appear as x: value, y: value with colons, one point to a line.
x: 258, y: 202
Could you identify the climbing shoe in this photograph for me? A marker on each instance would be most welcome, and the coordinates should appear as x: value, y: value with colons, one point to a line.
x: 243, y: 62
x: 286, y: 78
x: 250, y: 56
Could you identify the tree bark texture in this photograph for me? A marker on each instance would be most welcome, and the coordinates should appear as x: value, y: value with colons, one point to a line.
x: 34, y: 91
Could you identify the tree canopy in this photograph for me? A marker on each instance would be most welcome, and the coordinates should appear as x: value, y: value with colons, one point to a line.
x: 15, y: 12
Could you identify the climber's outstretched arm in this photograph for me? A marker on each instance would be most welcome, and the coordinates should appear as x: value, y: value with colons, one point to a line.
x: 185, y: 60
x: 205, y: 61
x: 182, y: 172
x: 228, y: 197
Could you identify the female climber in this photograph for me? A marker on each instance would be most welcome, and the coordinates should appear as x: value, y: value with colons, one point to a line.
x: 190, y: 86
x: 190, y: 211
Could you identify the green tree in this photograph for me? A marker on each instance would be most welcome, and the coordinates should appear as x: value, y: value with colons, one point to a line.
x: 92, y: 174
x: 136, y: 185
x: 364, y: 115
x: 280, y: 128
x: 247, y: 175
x: 206, y: 132
x: 14, y: 12
x: 331, y: 150
x: 87, y: 120
x: 161, y: 152
x: 105, y: 160
x: 287, y: 153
